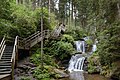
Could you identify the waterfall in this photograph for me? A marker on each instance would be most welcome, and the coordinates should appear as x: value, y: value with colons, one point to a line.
x: 76, y: 63
x: 94, y: 48
x: 80, y: 46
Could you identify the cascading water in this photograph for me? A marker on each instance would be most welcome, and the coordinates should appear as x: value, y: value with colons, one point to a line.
x: 94, y: 48
x: 77, y: 61
x: 80, y: 46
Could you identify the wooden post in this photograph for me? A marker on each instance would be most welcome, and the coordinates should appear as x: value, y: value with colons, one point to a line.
x: 12, y: 74
x: 42, y: 34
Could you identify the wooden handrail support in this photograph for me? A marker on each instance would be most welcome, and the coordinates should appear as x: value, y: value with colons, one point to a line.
x: 31, y: 36
x: 2, y: 46
x: 45, y: 33
x: 15, y: 49
x: 26, y: 42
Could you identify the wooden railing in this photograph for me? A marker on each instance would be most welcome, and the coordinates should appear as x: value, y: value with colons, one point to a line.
x: 15, y: 50
x: 30, y: 41
x: 2, y: 46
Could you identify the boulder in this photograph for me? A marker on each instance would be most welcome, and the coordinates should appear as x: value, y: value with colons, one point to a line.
x: 61, y: 73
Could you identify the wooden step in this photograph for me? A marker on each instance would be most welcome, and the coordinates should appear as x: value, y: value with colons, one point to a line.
x: 6, y: 69
x: 4, y: 55
x: 6, y: 58
x: 7, y: 53
x: 5, y: 62
x: 5, y: 72
x: 5, y: 77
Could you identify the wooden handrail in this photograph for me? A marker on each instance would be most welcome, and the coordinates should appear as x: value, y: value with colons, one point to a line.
x: 31, y: 35
x: 2, y: 41
x: 13, y: 56
x: 2, y: 46
x: 14, y: 48
x: 36, y: 36
x: 26, y: 42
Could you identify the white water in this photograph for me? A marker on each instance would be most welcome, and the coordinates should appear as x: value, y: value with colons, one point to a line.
x: 94, y: 48
x: 76, y: 63
x: 80, y: 46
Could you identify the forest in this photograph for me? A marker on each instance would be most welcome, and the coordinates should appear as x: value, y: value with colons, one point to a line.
x: 59, y: 39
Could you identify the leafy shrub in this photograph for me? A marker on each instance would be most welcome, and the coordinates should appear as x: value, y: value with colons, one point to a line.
x: 47, y: 59
x: 67, y: 38
x: 23, y: 18
x: 45, y: 73
x: 7, y: 28
x: 76, y: 33
x: 94, y: 63
x: 5, y: 9
x: 89, y: 42
x: 63, y: 49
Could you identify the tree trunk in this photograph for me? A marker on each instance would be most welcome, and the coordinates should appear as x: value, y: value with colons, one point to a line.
x: 16, y: 1
x: 42, y: 34
x: 49, y: 10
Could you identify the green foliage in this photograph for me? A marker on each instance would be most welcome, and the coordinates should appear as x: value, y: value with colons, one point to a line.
x: 46, y: 24
x: 47, y: 59
x: 94, y: 63
x: 7, y: 28
x: 25, y: 78
x: 23, y: 18
x: 109, y: 45
x: 76, y: 33
x: 47, y: 73
x: 89, y: 42
x: 67, y: 38
x: 5, y: 9
x: 63, y: 49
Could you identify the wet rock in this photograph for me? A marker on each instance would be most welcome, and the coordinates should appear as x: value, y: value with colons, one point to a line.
x: 30, y: 64
x: 23, y: 67
x: 61, y: 73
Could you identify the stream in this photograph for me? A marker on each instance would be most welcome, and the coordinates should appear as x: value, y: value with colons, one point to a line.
x: 76, y: 64
x: 85, y: 76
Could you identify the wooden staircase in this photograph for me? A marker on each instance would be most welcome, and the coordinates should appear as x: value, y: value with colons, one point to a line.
x: 5, y: 61
x: 8, y: 53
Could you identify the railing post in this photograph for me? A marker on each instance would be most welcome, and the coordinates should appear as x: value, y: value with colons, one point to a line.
x: 12, y: 74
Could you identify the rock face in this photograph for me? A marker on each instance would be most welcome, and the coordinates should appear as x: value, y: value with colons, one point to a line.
x: 61, y: 73
x: 24, y: 69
